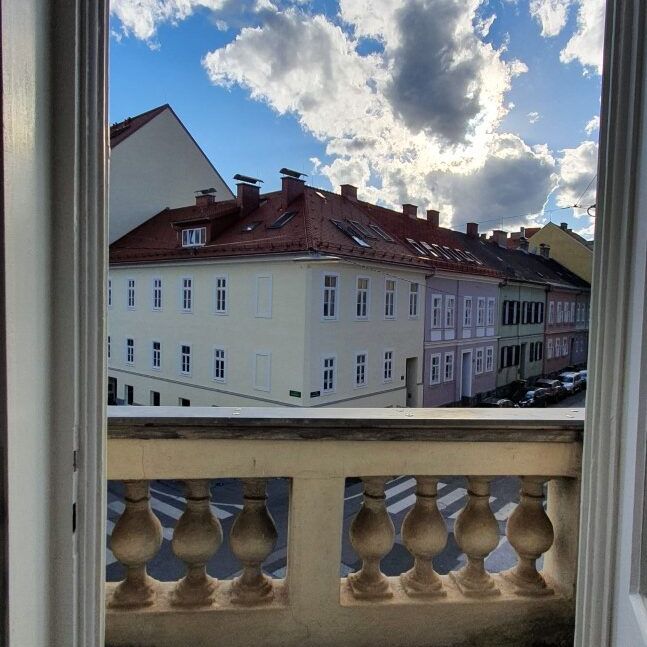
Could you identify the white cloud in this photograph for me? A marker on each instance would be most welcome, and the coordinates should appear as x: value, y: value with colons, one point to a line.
x: 585, y: 46
x: 533, y: 117
x: 577, y: 167
x: 550, y: 14
x: 592, y: 125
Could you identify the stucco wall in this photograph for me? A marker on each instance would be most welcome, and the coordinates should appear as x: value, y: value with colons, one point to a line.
x: 572, y: 254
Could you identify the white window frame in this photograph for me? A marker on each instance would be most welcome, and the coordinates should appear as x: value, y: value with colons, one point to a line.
x: 156, y: 293
x: 572, y: 311
x: 330, y: 291
x: 364, y: 365
x: 184, y: 290
x: 390, y: 304
x: 436, y: 311
x: 218, y: 291
x: 479, y: 362
x: 480, y: 311
x: 551, y: 312
x: 558, y: 347
x: 489, y: 359
x: 223, y: 360
x: 366, y: 303
x: 560, y: 312
x: 491, y: 309
x: 387, y: 365
x: 324, y: 369
x: 467, y: 320
x: 434, y: 366
x: 414, y: 300
x: 566, y: 347
x: 129, y: 358
x: 131, y: 303
x: 181, y: 347
x: 194, y: 232
x: 155, y: 367
x: 450, y: 311
x: 451, y: 365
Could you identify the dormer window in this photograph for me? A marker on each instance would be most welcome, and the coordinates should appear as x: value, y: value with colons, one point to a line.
x: 194, y: 237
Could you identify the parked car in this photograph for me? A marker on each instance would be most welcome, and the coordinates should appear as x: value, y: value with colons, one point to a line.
x: 571, y: 381
x: 535, y: 398
x: 585, y: 377
x: 497, y: 402
x: 556, y: 390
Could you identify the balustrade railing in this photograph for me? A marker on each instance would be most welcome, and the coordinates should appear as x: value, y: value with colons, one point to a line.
x: 317, y: 450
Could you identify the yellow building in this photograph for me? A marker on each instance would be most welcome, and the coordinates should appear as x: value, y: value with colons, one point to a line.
x: 566, y: 247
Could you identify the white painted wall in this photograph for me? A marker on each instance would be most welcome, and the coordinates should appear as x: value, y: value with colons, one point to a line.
x: 158, y: 166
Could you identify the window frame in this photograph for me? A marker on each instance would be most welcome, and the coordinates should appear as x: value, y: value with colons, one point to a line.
x: 156, y: 291
x: 181, y: 346
x: 223, y: 359
x: 414, y: 300
x: 390, y: 302
x: 387, y: 361
x: 489, y: 359
x: 157, y: 367
x: 333, y: 368
x: 452, y: 356
x: 127, y: 354
x: 491, y: 309
x: 367, y: 298
x: 331, y: 290
x: 437, y: 309
x: 467, y: 321
x: 479, y: 360
x: 183, y: 293
x: 450, y: 299
x: 364, y: 383
x: 217, y: 289
x: 434, y: 362
x: 131, y: 290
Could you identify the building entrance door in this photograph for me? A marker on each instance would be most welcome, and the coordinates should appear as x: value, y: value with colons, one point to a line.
x: 412, y: 381
x: 466, y: 374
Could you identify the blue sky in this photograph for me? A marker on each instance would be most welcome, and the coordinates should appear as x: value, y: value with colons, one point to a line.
x: 479, y: 109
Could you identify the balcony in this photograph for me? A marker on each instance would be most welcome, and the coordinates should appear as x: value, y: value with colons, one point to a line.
x: 317, y: 449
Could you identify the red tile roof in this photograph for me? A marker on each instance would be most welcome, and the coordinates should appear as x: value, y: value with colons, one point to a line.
x: 124, y: 129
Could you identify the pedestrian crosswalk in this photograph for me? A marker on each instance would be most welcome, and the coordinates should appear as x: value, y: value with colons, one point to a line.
x: 168, y: 504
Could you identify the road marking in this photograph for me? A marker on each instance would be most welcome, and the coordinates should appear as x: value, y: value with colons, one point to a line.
x: 452, y: 497
x: 400, y: 487
x: 505, y: 511
x: 400, y: 505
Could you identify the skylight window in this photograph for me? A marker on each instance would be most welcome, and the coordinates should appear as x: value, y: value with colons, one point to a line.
x: 429, y: 248
x: 350, y: 233
x: 381, y: 233
x: 452, y: 254
x: 250, y: 226
x: 321, y: 195
x: 419, y: 248
x: 282, y: 220
x: 463, y: 256
x: 472, y: 257
x: 441, y: 251
x: 363, y: 230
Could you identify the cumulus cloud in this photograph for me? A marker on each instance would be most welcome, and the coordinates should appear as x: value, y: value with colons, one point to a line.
x: 533, y: 117
x: 585, y: 46
x: 550, y: 14
x: 577, y: 168
x: 592, y: 125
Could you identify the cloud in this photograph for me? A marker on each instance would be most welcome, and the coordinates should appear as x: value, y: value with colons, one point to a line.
x: 592, y: 125
x: 585, y: 46
x: 577, y: 167
x: 533, y: 117
x: 550, y: 14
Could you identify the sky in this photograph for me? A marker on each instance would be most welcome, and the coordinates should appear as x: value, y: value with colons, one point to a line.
x: 486, y: 110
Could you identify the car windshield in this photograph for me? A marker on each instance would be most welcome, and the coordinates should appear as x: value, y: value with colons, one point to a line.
x: 567, y: 379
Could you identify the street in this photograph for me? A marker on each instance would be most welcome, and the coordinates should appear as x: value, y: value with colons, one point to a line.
x: 168, y: 504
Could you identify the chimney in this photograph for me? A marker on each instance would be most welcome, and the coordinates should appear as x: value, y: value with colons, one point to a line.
x: 483, y: 237
x: 544, y: 250
x: 433, y: 218
x: 523, y: 244
x: 349, y: 191
x: 248, y: 197
x: 204, y: 197
x: 500, y: 238
x: 564, y: 226
x: 472, y: 229
x: 292, y: 188
x: 522, y: 232
x: 410, y: 210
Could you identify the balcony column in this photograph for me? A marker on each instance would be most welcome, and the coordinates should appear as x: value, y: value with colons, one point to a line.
x: 136, y: 539
x: 424, y: 535
x: 530, y: 533
x: 196, y: 538
x: 477, y: 534
x: 253, y: 537
x: 372, y: 535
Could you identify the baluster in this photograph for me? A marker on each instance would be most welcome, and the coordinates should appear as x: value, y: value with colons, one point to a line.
x: 196, y: 538
x: 424, y: 535
x: 253, y: 537
x: 477, y: 534
x: 530, y: 533
x: 136, y: 539
x: 372, y: 535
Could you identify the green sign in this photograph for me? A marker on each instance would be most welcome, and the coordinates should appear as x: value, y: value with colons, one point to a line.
x: 295, y: 394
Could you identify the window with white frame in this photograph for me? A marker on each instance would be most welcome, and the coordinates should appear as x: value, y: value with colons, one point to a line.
x: 330, y: 282
x: 449, y: 367
x: 489, y: 359
x: 480, y: 311
x: 549, y: 349
x: 186, y: 297
x: 360, y: 369
x: 479, y: 361
x: 219, y: 365
x: 185, y: 359
x: 551, y: 312
x: 565, y: 347
x: 467, y: 312
x: 157, y: 294
x: 491, y: 309
x: 450, y: 311
x: 434, y: 369
x: 329, y: 377
x: 130, y: 350
x: 388, y: 365
x: 436, y: 310
x: 572, y: 311
x: 156, y: 357
x: 389, y: 298
x: 414, y: 289
x: 558, y: 347
x: 361, y: 300
x: 560, y: 312
x: 110, y: 293
x: 220, y: 300
x: 194, y: 237
x: 524, y: 312
x: 130, y: 294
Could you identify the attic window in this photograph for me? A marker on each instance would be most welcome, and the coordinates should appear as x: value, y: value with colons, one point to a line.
x: 381, y: 233
x: 321, y: 195
x: 429, y: 248
x: 363, y: 230
x: 282, y: 220
x: 452, y: 254
x: 250, y: 226
x: 419, y: 248
x: 441, y: 251
x: 463, y: 256
x: 472, y: 257
x: 194, y: 237
x: 350, y: 233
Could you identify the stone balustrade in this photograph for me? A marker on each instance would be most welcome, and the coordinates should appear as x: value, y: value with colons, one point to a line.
x: 318, y: 450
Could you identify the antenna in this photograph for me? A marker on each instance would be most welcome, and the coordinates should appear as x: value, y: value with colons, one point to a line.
x: 246, y: 178
x: 290, y: 173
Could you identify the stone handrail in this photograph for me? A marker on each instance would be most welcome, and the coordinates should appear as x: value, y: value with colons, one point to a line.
x: 317, y: 449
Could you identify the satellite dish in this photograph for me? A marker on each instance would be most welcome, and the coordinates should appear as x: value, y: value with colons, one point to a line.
x: 290, y: 173
x: 247, y: 178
